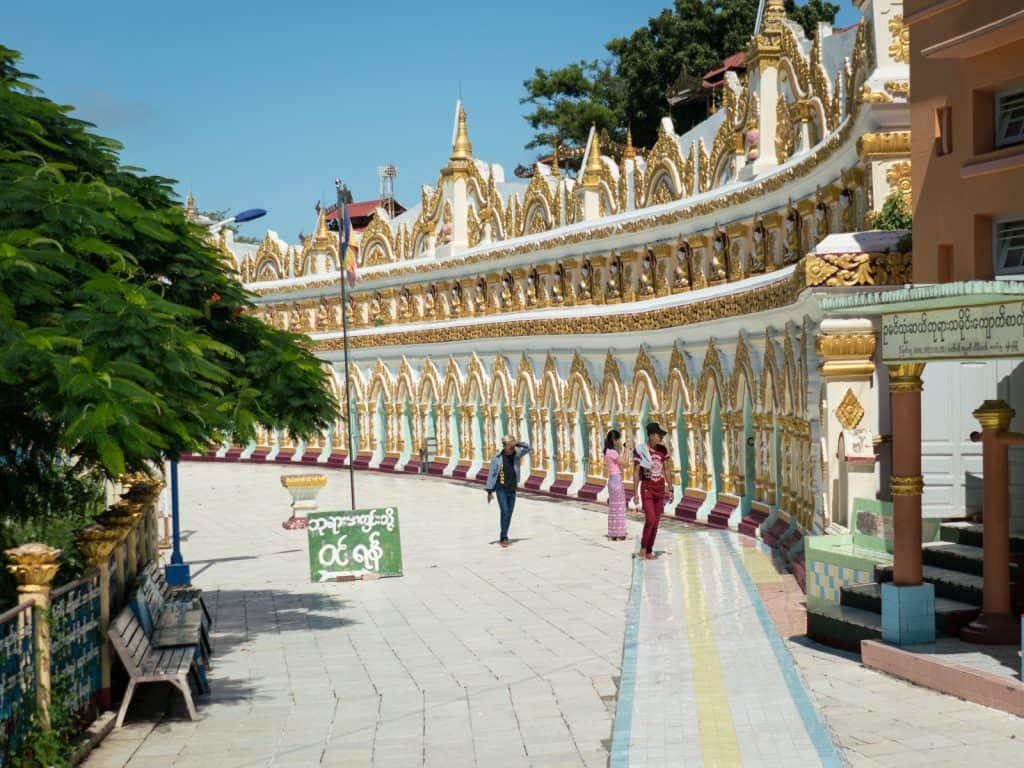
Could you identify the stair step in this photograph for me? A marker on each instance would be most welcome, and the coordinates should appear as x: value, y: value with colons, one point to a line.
x: 971, y: 534
x: 869, y: 595
x: 954, y: 585
x: 950, y: 615
x: 842, y: 626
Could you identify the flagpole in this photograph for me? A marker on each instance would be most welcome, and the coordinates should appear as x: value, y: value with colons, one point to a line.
x: 342, y: 247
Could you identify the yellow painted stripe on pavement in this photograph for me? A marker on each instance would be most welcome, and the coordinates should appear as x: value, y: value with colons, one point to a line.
x: 717, y: 733
x: 759, y: 565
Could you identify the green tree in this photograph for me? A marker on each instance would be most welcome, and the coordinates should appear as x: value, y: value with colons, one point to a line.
x: 124, y: 337
x: 629, y: 89
x: 896, y: 214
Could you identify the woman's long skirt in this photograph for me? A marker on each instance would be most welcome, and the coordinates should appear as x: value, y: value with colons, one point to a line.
x: 616, y: 507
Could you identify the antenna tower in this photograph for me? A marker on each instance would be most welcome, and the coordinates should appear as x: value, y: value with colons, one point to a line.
x: 387, y: 175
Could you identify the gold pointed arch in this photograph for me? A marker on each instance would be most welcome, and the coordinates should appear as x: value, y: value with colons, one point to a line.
x: 579, y: 384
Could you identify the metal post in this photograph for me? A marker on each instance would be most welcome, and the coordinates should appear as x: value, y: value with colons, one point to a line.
x: 342, y: 246
x: 177, y: 571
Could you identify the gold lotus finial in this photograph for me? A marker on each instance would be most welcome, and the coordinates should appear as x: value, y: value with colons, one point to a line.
x: 630, y: 153
x: 554, y: 161
x: 593, y: 172
x: 462, y: 150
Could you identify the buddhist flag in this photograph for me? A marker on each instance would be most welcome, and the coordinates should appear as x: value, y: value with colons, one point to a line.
x: 348, y: 256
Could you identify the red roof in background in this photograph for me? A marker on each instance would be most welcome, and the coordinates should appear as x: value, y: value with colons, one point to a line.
x: 357, y: 210
x: 715, y: 76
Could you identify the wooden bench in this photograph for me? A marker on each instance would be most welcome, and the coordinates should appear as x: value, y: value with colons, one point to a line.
x: 147, y: 664
x: 178, y: 594
x: 169, y: 622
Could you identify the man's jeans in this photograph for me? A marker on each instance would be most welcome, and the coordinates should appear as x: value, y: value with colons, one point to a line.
x: 506, y: 503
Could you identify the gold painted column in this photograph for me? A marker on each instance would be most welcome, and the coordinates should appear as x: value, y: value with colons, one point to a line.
x: 907, y: 484
x: 695, y: 465
x: 570, y: 431
x: 537, y: 439
x: 997, y: 624
x: 397, y: 426
x: 444, y: 432
x: 467, y: 431
x: 96, y: 543
x: 34, y: 566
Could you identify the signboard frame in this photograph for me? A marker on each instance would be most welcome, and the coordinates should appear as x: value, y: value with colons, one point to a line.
x: 956, y: 314
x: 354, y: 544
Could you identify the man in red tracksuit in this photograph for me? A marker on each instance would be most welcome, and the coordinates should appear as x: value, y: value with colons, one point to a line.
x: 652, y: 484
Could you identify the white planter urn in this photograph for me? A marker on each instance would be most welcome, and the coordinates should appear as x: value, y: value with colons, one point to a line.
x: 304, y: 490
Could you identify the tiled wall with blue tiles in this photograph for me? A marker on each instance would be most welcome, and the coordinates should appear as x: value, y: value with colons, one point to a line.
x: 825, y: 579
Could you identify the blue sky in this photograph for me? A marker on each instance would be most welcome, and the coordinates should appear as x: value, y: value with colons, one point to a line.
x: 263, y: 104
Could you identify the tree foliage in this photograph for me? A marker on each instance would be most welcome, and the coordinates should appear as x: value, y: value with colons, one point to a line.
x: 123, y: 336
x: 629, y: 89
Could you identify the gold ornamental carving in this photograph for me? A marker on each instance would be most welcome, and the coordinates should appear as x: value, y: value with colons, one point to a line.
x: 869, y: 96
x: 899, y: 48
x: 96, y: 543
x: 898, y: 88
x: 907, y: 485
x: 906, y: 377
x: 852, y: 269
x: 304, y: 481
x: 33, y: 566
x: 847, y: 345
x: 994, y: 414
x: 884, y: 144
x: 850, y: 411
x: 898, y: 178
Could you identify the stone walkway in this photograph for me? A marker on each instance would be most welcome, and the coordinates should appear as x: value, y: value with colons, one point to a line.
x: 486, y: 657
x: 710, y: 681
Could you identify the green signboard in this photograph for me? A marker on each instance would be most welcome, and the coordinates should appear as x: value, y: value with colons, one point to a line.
x: 352, y: 544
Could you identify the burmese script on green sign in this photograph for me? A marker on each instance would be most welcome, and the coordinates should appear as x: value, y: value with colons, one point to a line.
x: 359, y: 542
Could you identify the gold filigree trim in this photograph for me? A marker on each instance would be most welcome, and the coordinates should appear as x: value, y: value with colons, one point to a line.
x: 907, y: 485
x: 850, y: 411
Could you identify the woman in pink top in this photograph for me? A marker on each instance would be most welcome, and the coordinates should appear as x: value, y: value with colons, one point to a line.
x: 616, y: 491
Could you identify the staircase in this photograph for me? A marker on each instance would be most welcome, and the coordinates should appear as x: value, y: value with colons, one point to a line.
x: 953, y: 564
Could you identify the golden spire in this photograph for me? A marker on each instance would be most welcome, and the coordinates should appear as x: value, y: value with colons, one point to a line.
x: 592, y: 174
x: 190, y: 206
x: 774, y: 13
x: 323, y: 236
x: 554, y: 162
x: 462, y: 150
x: 630, y: 153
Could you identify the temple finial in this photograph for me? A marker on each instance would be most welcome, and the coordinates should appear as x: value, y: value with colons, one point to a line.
x: 554, y: 162
x: 592, y: 174
x: 630, y: 153
x: 462, y: 150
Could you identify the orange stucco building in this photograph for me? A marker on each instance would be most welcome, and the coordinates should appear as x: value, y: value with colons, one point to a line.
x: 967, y: 138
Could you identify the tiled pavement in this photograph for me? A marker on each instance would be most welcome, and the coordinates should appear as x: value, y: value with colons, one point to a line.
x: 714, y: 684
x: 486, y: 657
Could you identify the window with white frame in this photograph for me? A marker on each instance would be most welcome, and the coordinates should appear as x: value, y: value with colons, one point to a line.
x: 1010, y: 247
x: 1010, y: 118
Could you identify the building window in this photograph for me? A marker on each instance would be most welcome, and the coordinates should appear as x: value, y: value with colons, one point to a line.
x: 943, y: 131
x: 1009, y: 118
x: 1010, y: 247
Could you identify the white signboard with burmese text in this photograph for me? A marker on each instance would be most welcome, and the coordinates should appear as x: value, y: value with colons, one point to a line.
x: 956, y: 333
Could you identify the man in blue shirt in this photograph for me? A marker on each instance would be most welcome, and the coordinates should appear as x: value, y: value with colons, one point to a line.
x: 503, y: 479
